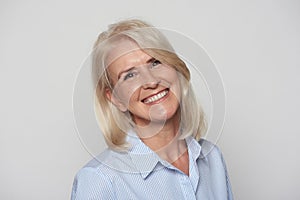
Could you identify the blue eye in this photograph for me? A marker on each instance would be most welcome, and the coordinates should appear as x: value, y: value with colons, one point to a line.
x: 128, y: 75
x: 155, y: 62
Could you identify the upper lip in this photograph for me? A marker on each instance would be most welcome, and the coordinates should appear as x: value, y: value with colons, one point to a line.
x: 154, y: 94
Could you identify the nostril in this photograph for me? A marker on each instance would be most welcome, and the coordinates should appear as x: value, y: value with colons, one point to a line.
x: 151, y: 84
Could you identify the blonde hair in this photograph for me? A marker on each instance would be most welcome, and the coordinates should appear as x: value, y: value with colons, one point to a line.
x: 116, y: 124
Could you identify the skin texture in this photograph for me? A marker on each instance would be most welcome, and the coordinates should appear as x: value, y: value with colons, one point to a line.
x: 150, y: 91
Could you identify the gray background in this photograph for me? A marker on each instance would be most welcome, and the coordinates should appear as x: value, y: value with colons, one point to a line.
x: 255, y: 45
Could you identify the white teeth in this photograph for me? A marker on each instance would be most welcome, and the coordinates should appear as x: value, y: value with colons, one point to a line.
x: 156, y: 97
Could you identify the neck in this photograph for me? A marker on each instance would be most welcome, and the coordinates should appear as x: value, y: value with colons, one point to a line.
x: 163, y: 139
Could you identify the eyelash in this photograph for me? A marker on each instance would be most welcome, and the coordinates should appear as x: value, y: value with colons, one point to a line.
x: 128, y: 75
x: 155, y: 62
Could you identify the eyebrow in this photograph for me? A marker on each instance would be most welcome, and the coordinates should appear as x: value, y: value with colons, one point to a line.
x: 131, y: 68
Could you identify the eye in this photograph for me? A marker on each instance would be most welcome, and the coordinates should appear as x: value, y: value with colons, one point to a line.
x: 155, y: 62
x: 128, y: 75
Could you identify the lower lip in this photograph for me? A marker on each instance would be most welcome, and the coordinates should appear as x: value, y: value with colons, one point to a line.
x: 159, y: 100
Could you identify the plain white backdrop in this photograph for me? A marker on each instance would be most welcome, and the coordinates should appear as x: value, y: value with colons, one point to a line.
x: 255, y: 44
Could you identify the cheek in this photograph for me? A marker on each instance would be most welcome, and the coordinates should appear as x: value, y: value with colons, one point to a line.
x: 134, y: 97
x: 172, y: 77
x: 176, y: 86
x: 127, y: 93
x: 167, y: 73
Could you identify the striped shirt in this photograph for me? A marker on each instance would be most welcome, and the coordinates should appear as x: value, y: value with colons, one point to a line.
x: 141, y: 174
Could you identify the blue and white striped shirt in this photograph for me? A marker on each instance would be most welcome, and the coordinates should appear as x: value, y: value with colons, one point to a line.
x: 142, y: 174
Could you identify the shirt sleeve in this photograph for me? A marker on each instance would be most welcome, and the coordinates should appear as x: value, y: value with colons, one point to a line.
x: 228, y: 185
x: 90, y: 183
x: 214, y: 172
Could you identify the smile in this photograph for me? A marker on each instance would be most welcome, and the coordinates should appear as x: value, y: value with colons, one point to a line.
x: 156, y: 97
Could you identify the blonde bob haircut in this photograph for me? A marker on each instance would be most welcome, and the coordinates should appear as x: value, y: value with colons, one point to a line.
x: 116, y: 124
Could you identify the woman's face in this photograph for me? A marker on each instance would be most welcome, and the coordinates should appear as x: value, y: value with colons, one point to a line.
x: 147, y: 88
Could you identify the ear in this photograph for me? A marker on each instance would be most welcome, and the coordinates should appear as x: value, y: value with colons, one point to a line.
x: 115, y: 100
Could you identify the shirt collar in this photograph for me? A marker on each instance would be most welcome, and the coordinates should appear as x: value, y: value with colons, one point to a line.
x: 194, y: 148
x: 146, y: 160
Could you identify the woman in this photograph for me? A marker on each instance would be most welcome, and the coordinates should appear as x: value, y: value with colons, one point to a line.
x: 151, y: 122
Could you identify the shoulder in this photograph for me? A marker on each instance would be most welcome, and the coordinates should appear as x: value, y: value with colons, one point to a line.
x: 207, y: 146
x: 93, y: 180
x: 213, y: 163
x: 98, y: 177
x: 90, y: 183
x: 210, y: 151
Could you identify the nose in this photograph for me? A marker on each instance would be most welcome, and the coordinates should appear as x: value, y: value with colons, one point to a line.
x: 149, y: 80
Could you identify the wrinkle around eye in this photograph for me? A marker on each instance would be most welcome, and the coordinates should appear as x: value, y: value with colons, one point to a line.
x: 129, y: 75
x: 155, y: 62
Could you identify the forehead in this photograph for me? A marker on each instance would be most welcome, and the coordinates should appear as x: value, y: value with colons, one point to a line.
x: 131, y: 59
x: 124, y: 56
x: 120, y: 48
